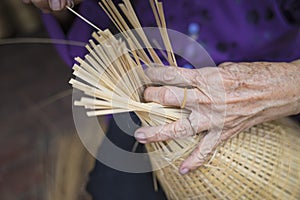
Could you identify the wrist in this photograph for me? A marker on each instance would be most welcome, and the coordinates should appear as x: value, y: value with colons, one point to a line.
x: 288, y: 87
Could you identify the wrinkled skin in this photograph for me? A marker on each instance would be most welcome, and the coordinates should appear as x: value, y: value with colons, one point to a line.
x: 223, y: 100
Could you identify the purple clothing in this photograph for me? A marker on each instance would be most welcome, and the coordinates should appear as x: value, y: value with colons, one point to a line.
x: 230, y: 30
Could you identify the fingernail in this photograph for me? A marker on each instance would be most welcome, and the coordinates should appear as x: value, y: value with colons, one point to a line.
x: 184, y: 171
x: 141, y: 137
x: 70, y: 3
x: 55, y: 5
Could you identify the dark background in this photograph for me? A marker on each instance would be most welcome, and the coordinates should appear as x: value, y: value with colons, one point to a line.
x: 38, y: 142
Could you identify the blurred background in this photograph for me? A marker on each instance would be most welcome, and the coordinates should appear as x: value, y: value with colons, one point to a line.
x: 41, y: 156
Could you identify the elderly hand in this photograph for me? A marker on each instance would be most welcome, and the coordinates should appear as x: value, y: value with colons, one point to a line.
x: 224, y: 101
x: 52, y: 5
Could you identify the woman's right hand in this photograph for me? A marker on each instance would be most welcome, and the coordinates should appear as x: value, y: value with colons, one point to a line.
x: 52, y: 5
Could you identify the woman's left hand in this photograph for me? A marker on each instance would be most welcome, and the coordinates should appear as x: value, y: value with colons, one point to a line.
x: 223, y: 100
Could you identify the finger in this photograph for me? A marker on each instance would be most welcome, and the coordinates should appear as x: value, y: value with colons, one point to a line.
x: 178, y: 129
x: 225, y: 64
x: 172, y: 76
x: 166, y: 95
x: 175, y: 96
x: 201, y: 152
x: 57, y: 5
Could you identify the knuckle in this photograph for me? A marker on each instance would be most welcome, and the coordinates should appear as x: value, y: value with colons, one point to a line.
x: 200, y: 81
x: 158, y: 135
x: 183, y: 128
x: 189, y: 74
x: 194, y: 120
x: 167, y: 132
x: 149, y: 72
x: 170, y: 74
x: 147, y: 94
x: 174, y: 130
x: 196, y: 80
x: 199, y: 155
x: 180, y: 130
x: 201, y: 158
x: 163, y: 133
x: 225, y: 64
x: 164, y: 95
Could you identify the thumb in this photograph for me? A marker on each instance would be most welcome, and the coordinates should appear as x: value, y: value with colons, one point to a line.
x: 201, y: 153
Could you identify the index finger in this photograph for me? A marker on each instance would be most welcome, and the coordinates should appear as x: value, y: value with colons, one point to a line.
x: 172, y: 76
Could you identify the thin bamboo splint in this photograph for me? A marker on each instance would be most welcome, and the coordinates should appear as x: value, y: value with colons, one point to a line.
x: 261, y: 163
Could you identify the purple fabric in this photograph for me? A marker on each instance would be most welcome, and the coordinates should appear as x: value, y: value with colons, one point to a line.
x: 230, y: 30
x: 291, y: 10
x: 79, y: 31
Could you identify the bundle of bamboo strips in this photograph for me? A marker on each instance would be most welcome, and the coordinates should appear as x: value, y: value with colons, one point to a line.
x: 254, y: 165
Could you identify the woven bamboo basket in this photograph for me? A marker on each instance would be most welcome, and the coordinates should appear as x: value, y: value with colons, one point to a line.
x: 260, y: 163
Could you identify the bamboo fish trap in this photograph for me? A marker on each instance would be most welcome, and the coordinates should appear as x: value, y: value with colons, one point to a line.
x: 260, y: 163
